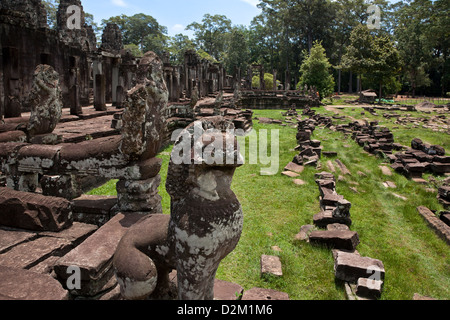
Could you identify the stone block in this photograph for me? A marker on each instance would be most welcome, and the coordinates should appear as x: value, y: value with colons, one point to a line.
x: 324, y: 218
x: 28, y: 254
x: 19, y: 284
x: 224, y: 290
x: 294, y: 167
x: 11, y: 238
x: 351, y: 266
x: 94, y: 255
x: 93, y: 209
x: 271, y: 265
x: 368, y: 288
x: 264, y: 294
x: 304, y: 233
x: 441, y: 229
x: 13, y: 136
x: 338, y: 239
x: 440, y: 168
x: 33, y: 211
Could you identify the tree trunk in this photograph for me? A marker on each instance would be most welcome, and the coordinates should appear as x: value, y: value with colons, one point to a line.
x: 339, y: 81
x: 381, y: 91
x: 350, y: 83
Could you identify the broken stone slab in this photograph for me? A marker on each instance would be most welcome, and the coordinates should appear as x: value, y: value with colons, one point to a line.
x: 271, y: 265
x: 324, y: 218
x: 76, y: 234
x: 342, y: 167
x: 338, y: 239
x: 224, y: 290
x: 93, y: 209
x: 33, y: 211
x: 94, y: 255
x: 386, y: 171
x: 19, y: 284
x: 441, y: 229
x: 290, y: 174
x: 369, y: 288
x: 299, y: 182
x: 337, y: 226
x: 264, y: 294
x: 440, y: 168
x: 11, y: 238
x: 351, y: 266
x: 304, y: 233
x: 28, y: 254
x: 291, y: 166
x: 389, y: 184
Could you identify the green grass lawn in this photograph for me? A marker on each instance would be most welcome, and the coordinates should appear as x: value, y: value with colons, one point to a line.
x: 415, y: 258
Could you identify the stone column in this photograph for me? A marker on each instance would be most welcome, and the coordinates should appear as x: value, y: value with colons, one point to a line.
x: 115, y: 80
x: 100, y: 92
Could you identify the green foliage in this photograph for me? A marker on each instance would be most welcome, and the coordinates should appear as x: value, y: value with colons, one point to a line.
x: 211, y: 34
x: 268, y: 81
x: 142, y: 30
x: 315, y: 71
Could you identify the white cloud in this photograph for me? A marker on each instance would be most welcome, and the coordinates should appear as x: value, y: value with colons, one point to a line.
x: 119, y: 3
x: 178, y: 28
x: 252, y: 2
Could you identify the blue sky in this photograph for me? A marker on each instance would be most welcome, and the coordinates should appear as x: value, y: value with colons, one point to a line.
x: 174, y: 14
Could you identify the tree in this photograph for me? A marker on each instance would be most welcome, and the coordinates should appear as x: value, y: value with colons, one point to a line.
x: 411, y: 32
x: 211, y: 34
x: 178, y: 45
x: 386, y: 62
x: 237, y: 52
x: 142, y: 30
x: 358, y: 56
x: 315, y: 71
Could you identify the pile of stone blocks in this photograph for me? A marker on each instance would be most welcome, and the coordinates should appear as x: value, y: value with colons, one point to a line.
x: 41, y: 246
x: 363, y: 276
x: 420, y: 158
x: 444, y: 196
x: 310, y: 150
x: 373, y: 138
x: 334, y: 208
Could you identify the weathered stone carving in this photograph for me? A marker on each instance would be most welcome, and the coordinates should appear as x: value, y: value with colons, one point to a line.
x: 145, y: 108
x: 112, y: 38
x: 45, y: 101
x: 204, y: 226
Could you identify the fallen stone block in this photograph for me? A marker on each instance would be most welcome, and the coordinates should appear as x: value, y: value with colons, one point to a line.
x: 19, y: 284
x: 441, y: 229
x: 368, y: 288
x: 338, y: 239
x: 224, y: 290
x: 271, y: 265
x: 440, y: 168
x: 11, y: 238
x: 350, y: 267
x: 34, y: 212
x: 93, y: 209
x: 294, y: 167
x: 264, y: 294
x: 324, y: 218
x: 28, y: 254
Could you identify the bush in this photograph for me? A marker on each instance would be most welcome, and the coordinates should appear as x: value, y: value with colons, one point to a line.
x: 268, y: 80
x: 315, y: 71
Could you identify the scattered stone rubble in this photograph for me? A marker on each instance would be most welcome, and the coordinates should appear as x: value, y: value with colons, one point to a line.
x: 363, y: 275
